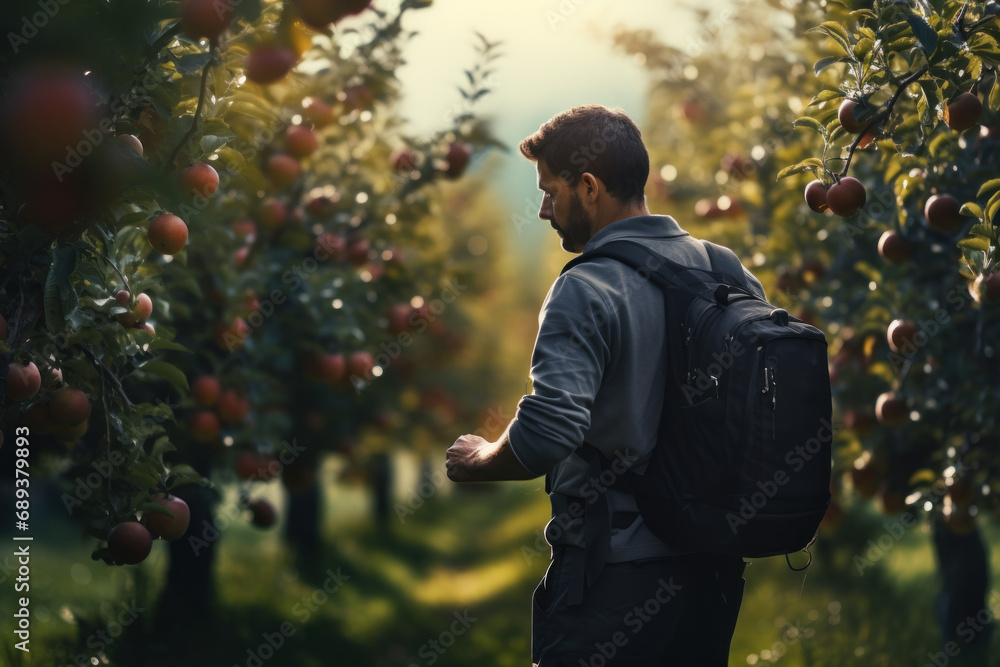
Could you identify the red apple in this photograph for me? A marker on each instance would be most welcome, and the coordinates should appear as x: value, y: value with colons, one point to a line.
x: 331, y: 367
x: 48, y: 112
x: 846, y: 197
x: 894, y: 247
x: 205, y: 18
x: 232, y: 407
x: 943, y: 213
x: 129, y: 543
x: 815, y: 195
x: 846, y: 116
x: 23, y: 381
x: 900, y: 335
x: 131, y: 141
x: 399, y: 318
x: 890, y: 409
x: 199, y: 180
x: 283, y: 170
x: 964, y: 112
x: 267, y: 64
x: 273, y: 214
x: 69, y: 407
x: 206, y: 390
x: 333, y: 245
x: 264, y: 514
x: 457, y: 158
x: 300, y: 141
x: 360, y: 364
x: 204, y: 426
x: 357, y: 251
x: 993, y: 286
x: 165, y: 527
x: 403, y: 160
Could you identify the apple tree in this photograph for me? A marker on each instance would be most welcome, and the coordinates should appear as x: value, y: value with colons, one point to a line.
x: 858, y: 147
x: 220, y: 253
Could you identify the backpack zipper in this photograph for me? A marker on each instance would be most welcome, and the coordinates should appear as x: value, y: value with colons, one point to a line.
x: 771, y: 385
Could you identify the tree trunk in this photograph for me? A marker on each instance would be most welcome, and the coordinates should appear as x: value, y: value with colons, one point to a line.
x: 963, y: 612
x: 380, y: 473
x: 303, y: 519
x: 188, y: 593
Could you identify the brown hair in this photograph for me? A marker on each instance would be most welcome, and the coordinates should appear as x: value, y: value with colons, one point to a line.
x: 592, y: 138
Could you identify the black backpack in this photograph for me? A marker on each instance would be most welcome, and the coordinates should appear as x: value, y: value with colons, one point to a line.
x: 742, y: 463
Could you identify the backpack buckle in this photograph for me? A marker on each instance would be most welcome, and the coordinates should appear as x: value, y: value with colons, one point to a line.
x: 722, y: 295
x: 779, y: 316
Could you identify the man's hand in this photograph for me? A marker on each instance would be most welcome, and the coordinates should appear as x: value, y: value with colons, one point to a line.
x: 463, y: 459
x: 474, y: 459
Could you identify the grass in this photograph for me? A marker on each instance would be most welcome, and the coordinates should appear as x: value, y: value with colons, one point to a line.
x: 451, y: 585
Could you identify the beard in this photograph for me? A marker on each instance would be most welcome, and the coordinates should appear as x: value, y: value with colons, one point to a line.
x: 574, y: 232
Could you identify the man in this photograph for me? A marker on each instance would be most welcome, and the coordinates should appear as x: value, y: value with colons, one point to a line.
x: 614, y: 593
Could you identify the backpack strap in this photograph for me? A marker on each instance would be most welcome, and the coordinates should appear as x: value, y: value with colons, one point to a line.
x: 726, y: 261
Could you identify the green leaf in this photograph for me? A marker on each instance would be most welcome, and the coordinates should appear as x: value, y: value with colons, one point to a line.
x: 863, y: 47
x: 825, y: 96
x: 805, y: 165
x: 972, y: 208
x: 162, y: 446
x: 923, y: 32
x: 152, y: 507
x: 164, y: 344
x: 55, y: 319
x: 823, y: 63
x: 992, y: 206
x: 211, y: 142
x: 836, y: 32
x: 860, y: 15
x: 192, y: 63
x: 929, y: 101
x: 974, y: 68
x: 901, y: 44
x: 975, y: 242
x: 988, y: 186
x: 184, y: 474
x: 994, y: 100
x: 811, y: 123
x: 168, y: 372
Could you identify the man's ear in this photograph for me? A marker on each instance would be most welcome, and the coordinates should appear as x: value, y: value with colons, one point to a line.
x: 590, y: 187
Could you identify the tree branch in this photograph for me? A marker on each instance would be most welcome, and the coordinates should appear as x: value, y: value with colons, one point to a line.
x: 197, y: 112
x: 881, y: 116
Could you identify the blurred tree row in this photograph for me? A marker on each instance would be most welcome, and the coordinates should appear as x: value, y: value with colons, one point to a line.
x: 224, y: 259
x: 850, y: 153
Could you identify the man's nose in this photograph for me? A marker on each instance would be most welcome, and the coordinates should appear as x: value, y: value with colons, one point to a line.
x: 545, y: 210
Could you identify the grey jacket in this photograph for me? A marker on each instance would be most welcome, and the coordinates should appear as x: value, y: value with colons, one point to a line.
x: 597, y: 371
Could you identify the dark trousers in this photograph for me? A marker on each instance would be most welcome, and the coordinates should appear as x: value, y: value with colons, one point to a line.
x: 679, y: 611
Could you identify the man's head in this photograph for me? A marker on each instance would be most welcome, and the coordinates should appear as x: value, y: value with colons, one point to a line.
x: 592, y: 169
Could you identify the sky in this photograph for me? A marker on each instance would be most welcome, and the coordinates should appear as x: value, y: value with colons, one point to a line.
x: 556, y: 54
